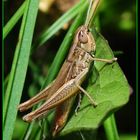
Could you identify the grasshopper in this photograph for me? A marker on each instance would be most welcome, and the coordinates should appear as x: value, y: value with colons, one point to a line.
x: 67, y: 84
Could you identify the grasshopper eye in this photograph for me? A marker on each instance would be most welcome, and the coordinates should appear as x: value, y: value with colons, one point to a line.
x: 83, y: 37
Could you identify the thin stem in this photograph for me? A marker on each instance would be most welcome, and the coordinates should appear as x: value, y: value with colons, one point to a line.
x: 111, y: 128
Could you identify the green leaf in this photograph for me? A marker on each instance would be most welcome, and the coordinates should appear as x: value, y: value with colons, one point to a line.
x: 19, y: 68
x: 110, y: 91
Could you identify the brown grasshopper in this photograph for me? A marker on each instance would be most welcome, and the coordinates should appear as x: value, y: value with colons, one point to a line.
x: 68, y: 82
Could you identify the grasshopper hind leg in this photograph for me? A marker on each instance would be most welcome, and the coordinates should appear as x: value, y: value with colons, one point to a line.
x: 78, y: 82
x: 87, y: 94
x: 35, y: 115
x: 39, y: 97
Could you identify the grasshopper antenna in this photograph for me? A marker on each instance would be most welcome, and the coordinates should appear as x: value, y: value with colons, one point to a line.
x: 92, y: 7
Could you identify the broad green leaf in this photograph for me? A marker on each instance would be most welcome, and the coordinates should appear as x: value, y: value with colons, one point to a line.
x: 110, y: 91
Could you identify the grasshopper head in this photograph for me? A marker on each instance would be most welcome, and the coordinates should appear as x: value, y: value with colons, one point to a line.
x: 86, y: 40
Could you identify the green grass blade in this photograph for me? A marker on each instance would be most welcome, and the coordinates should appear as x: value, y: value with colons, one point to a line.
x: 19, y: 68
x: 111, y: 129
x: 30, y: 127
x: 6, y: 80
x: 48, y: 33
x: 11, y: 23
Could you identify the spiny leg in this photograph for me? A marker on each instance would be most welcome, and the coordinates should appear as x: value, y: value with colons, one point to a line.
x: 61, y: 95
x: 34, y: 115
x: 34, y: 100
x: 78, y: 82
x: 87, y: 94
x: 105, y: 60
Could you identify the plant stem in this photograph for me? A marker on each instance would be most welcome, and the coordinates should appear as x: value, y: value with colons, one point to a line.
x: 111, y: 128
